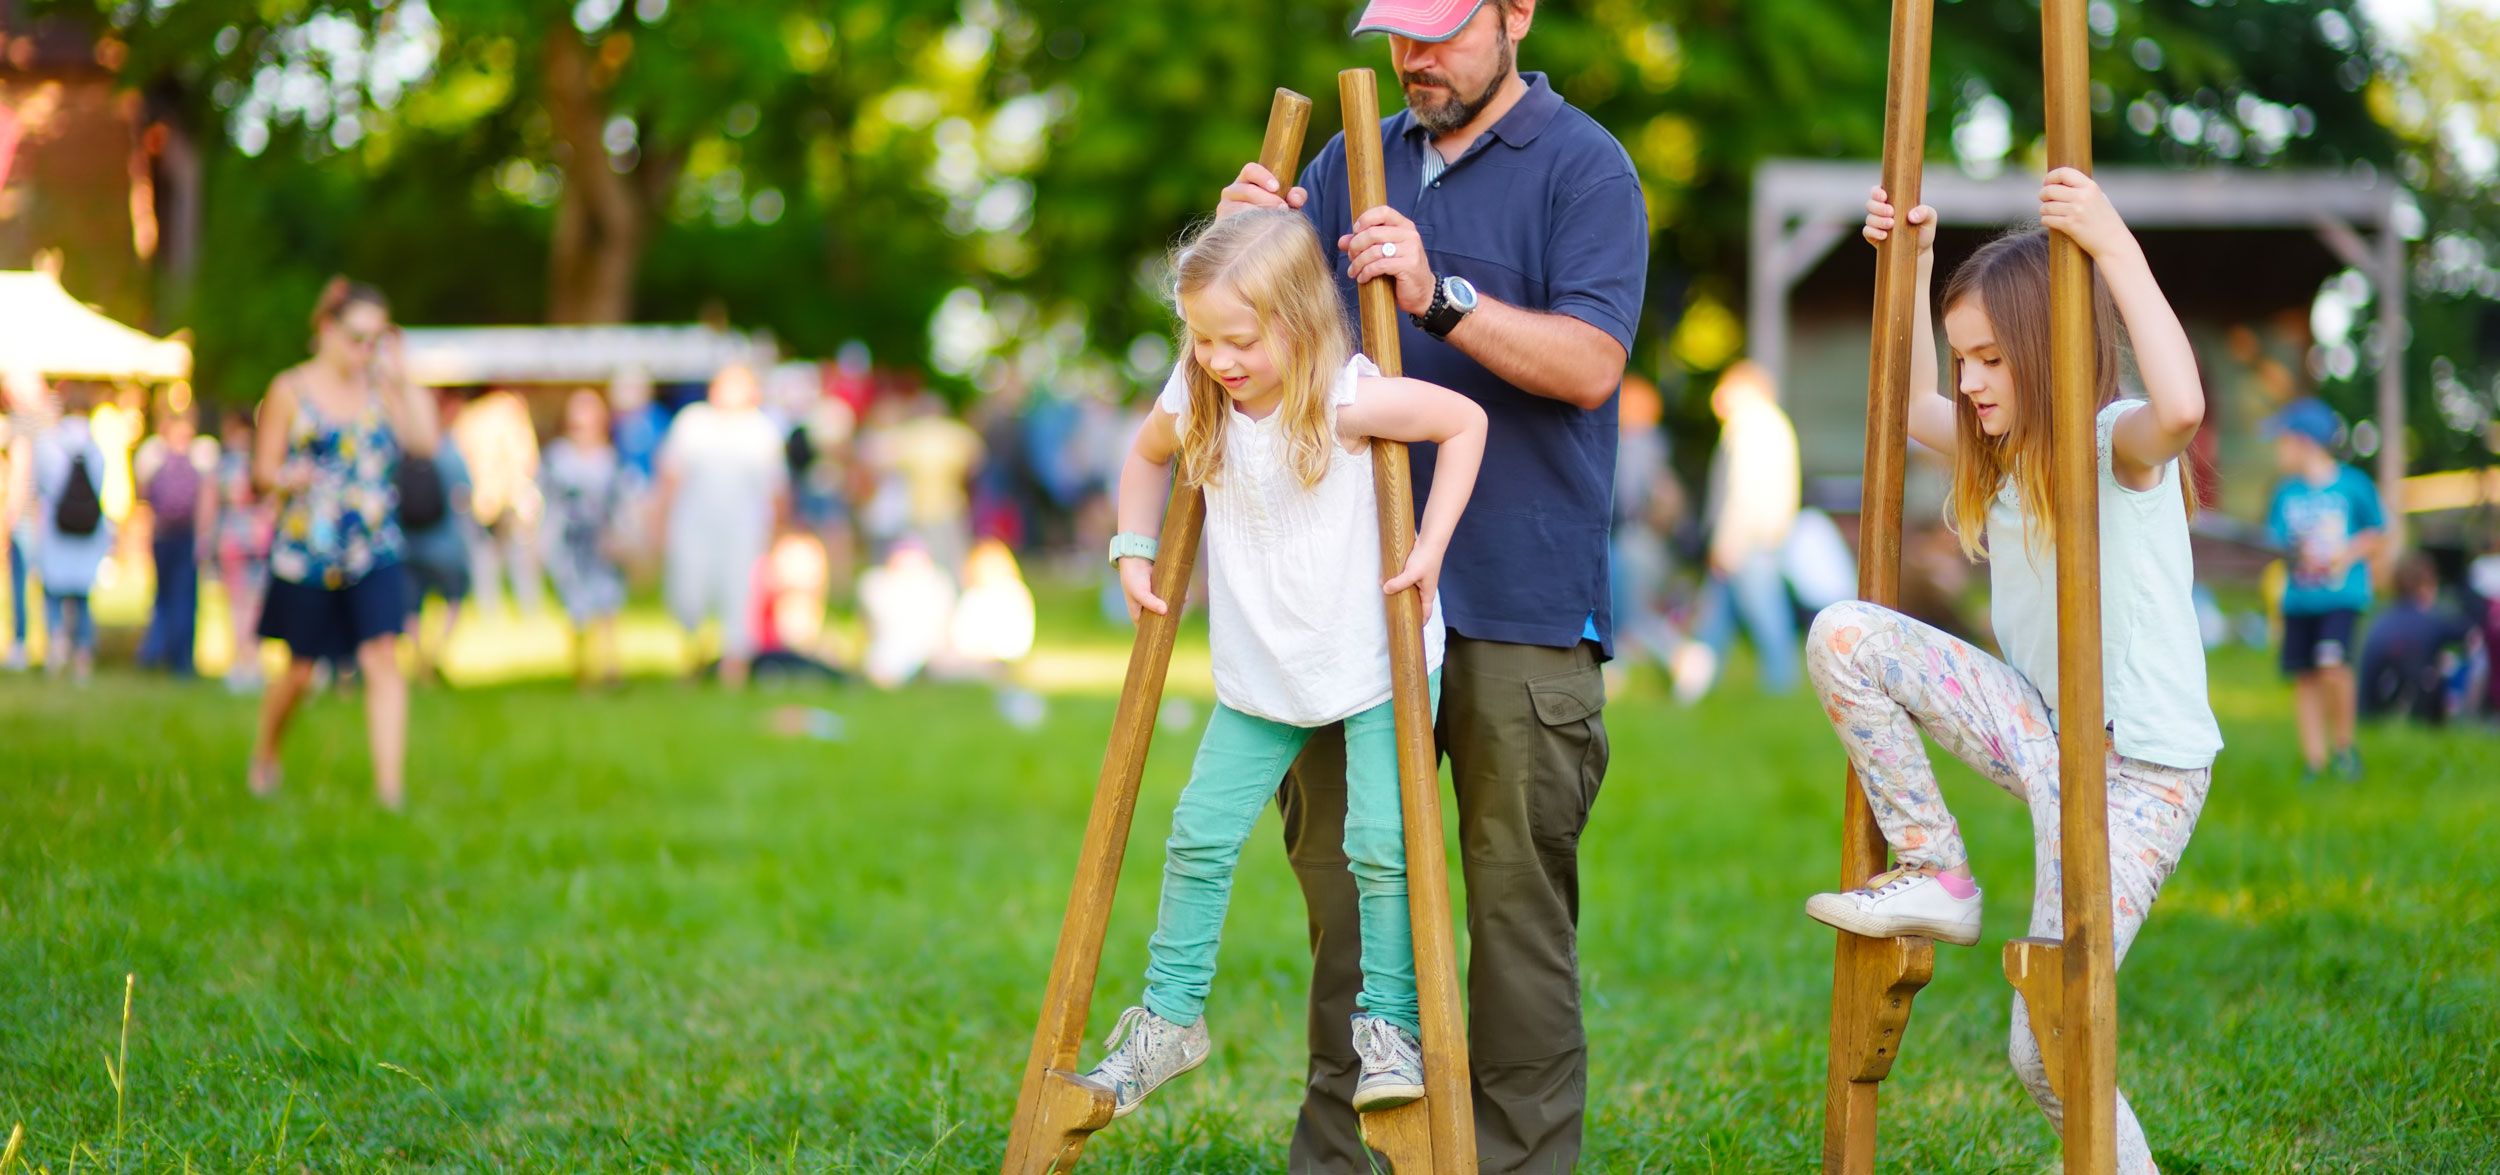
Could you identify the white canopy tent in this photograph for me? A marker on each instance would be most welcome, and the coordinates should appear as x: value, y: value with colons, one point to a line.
x: 46, y: 332
x: 460, y: 356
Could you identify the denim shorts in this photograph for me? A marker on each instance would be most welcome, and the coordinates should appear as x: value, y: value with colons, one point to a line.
x: 331, y: 623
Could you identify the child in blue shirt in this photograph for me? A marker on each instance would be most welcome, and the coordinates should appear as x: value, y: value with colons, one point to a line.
x: 2327, y: 516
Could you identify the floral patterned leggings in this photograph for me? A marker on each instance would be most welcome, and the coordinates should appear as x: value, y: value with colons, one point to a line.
x: 1884, y: 678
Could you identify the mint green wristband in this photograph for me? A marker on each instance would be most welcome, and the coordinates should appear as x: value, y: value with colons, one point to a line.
x: 1127, y: 545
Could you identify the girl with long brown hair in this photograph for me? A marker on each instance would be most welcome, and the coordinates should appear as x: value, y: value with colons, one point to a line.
x: 1884, y: 678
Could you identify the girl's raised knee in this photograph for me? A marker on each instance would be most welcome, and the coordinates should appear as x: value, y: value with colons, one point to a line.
x: 1838, y: 630
x: 1844, y: 614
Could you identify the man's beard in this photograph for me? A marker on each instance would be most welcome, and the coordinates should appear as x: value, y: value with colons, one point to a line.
x: 1440, y: 118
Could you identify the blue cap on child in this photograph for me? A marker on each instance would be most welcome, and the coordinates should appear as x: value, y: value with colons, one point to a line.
x: 2307, y: 417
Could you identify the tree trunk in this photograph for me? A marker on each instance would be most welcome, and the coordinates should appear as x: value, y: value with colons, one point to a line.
x: 178, y: 172
x: 602, y: 218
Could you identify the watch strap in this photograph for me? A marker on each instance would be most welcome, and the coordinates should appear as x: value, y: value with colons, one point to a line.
x: 1443, y: 315
x: 1128, y: 544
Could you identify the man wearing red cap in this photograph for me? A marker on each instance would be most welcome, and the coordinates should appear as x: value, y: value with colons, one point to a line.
x: 1519, y: 244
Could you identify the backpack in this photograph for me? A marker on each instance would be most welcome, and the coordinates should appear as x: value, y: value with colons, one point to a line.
x: 80, y: 511
x: 423, y: 502
x: 174, y: 491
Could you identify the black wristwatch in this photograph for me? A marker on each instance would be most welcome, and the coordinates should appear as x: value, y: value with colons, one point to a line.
x: 1452, y: 300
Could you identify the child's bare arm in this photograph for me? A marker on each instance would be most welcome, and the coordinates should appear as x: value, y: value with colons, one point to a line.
x: 1412, y: 410
x: 1931, y: 403
x: 2152, y: 436
x: 1145, y: 483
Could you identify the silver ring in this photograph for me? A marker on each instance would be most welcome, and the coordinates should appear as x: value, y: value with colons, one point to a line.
x: 1389, y: 248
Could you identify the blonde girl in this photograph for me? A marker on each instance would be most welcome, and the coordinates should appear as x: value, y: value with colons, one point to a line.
x: 1272, y: 414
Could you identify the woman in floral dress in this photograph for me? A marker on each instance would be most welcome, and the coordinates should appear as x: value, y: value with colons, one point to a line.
x: 331, y: 432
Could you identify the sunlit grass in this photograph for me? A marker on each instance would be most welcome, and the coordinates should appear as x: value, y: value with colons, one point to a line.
x: 642, y: 931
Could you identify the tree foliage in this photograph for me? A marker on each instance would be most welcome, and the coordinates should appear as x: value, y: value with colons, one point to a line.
x: 959, y: 182
x: 1700, y: 92
x: 2440, y: 96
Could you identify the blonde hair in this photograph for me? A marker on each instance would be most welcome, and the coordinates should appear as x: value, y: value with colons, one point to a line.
x: 1272, y: 260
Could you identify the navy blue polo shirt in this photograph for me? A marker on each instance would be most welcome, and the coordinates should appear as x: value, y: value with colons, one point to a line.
x: 1543, y: 212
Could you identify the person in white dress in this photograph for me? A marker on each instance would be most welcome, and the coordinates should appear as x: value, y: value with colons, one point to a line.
x: 723, y: 486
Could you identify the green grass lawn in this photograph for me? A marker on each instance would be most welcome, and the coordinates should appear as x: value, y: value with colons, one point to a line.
x: 643, y: 931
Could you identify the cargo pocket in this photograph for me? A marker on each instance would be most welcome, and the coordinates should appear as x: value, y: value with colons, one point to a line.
x: 1571, y: 760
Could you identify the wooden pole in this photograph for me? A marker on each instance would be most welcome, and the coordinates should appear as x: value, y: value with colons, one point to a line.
x: 1054, y: 1115
x: 1874, y: 980
x: 2392, y: 289
x: 1438, y: 1133
x: 2089, y: 1025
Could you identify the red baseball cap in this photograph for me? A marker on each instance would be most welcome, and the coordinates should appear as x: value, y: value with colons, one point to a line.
x: 1417, y: 20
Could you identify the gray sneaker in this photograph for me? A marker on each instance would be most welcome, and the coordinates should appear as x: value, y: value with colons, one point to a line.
x: 1146, y: 1051
x: 1393, y: 1065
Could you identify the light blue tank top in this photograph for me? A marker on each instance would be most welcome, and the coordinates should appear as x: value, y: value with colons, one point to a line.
x: 2152, y: 650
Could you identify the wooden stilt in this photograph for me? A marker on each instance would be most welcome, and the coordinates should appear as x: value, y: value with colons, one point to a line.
x: 2035, y: 968
x: 1054, y: 1115
x: 2085, y: 1026
x: 1438, y: 1133
x: 1874, y: 980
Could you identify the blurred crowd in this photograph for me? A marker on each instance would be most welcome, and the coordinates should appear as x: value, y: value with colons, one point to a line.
x: 758, y: 507
x: 755, y: 509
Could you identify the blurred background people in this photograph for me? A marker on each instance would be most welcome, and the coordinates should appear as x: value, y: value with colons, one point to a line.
x: 2414, y: 661
x: 499, y: 444
x: 584, y: 490
x: 1006, y: 495
x: 437, y: 518
x: 1753, y: 502
x: 2327, y: 515
x: 1817, y: 564
x: 821, y: 449
x: 1649, y: 506
x: 639, y: 424
x: 73, y: 534
x: 116, y: 417
x: 2482, y: 585
x: 723, y: 484
x: 32, y: 410
x: 992, y: 629
x: 241, y: 537
x: 907, y: 603
x: 930, y: 456
x: 176, y: 471
x: 792, y: 586
x: 332, y: 430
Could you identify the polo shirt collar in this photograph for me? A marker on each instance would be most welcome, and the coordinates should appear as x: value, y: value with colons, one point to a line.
x: 1524, y: 122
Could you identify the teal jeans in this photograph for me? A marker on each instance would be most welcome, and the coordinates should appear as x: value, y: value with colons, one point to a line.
x: 1240, y: 762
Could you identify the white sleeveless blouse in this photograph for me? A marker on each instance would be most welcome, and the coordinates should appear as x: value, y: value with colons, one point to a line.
x: 1297, y: 620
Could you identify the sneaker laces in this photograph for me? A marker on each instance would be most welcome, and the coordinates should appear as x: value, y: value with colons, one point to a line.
x: 1121, y: 1064
x: 1376, y: 1042
x: 1372, y: 1041
x: 1892, y: 880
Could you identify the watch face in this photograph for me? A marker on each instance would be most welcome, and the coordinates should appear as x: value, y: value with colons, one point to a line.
x: 1462, y: 294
